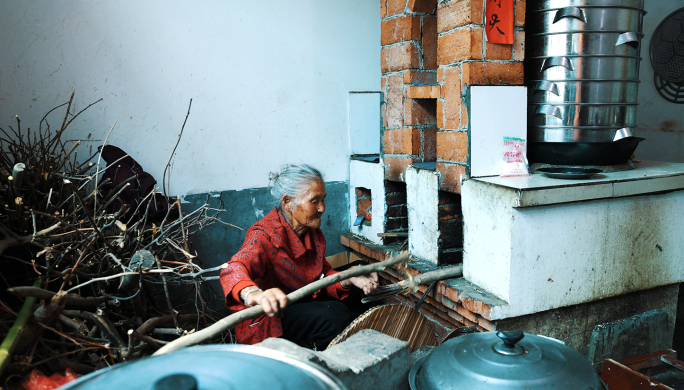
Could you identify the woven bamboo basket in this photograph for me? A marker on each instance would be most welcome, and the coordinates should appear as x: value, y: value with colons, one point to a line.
x: 397, y: 320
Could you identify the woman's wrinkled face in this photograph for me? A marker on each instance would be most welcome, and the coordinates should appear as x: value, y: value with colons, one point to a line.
x: 311, y: 206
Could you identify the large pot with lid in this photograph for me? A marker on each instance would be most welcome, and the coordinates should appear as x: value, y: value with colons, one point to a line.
x: 212, y: 367
x: 503, y: 360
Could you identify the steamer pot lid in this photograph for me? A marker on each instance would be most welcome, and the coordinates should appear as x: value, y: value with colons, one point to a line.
x: 229, y: 367
x: 530, y: 362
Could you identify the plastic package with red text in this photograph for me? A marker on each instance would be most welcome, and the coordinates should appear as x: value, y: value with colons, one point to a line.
x: 36, y: 380
x: 514, y: 158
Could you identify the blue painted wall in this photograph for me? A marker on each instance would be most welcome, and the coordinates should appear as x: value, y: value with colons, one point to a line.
x: 217, y: 243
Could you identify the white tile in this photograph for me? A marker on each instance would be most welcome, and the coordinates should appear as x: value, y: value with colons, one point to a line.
x: 364, y: 123
x: 564, y: 195
x: 646, y: 186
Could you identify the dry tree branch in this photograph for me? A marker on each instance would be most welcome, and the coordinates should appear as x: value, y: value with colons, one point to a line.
x: 66, y: 156
x: 59, y: 227
x: 166, y: 293
x: 99, y: 157
x: 255, y: 311
x: 87, y: 213
x: 9, y: 242
x: 66, y: 115
x: 80, y: 112
x: 40, y: 293
x: 168, y: 164
x: 413, y: 283
x: 166, y: 319
x: 101, y: 279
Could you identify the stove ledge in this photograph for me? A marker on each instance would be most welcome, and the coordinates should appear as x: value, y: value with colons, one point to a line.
x: 538, y: 190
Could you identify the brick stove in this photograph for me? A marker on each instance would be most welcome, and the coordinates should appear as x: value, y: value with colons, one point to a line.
x: 526, y: 265
x: 432, y: 54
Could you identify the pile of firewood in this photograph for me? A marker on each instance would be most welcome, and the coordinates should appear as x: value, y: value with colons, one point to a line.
x: 88, y: 278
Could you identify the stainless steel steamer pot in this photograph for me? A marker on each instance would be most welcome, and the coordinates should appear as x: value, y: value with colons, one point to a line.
x: 503, y: 360
x: 582, y: 72
x: 212, y: 367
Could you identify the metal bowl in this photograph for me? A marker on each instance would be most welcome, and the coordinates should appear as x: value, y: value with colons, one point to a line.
x: 583, y: 153
x: 212, y: 367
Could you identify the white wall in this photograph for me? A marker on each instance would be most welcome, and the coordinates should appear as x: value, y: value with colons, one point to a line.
x: 364, y: 123
x: 659, y: 121
x: 269, y: 80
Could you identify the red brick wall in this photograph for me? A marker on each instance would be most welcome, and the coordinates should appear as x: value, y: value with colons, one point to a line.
x: 442, y: 45
x: 465, y: 58
x: 408, y: 58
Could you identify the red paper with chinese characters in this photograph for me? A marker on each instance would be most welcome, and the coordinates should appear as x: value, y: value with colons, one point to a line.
x: 499, y: 25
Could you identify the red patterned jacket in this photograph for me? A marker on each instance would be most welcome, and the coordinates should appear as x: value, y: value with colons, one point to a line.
x: 273, y: 256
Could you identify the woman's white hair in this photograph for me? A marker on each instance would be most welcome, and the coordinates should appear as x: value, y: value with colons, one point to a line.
x: 293, y: 181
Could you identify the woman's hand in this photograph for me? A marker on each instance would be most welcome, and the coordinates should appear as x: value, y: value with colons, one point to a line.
x: 367, y: 283
x: 273, y: 301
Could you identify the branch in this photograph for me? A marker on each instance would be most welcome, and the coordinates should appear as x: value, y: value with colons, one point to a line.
x: 101, y: 322
x: 10, y: 241
x: 256, y: 311
x: 168, y: 164
x: 432, y: 276
x: 66, y: 156
x: 39, y: 293
x: 166, y: 319
x: 97, y: 168
x: 166, y: 293
x: 425, y: 278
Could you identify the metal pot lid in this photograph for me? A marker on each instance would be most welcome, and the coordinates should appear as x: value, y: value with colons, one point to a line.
x: 505, y: 360
x: 569, y: 173
x: 212, y: 367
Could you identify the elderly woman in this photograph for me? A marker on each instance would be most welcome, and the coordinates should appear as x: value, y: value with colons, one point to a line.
x: 281, y: 253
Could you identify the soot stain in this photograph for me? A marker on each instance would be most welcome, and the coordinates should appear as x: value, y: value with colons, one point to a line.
x: 671, y: 126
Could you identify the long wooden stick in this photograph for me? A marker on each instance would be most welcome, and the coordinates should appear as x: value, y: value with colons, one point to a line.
x: 256, y: 311
x: 454, y: 271
x: 383, y: 292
